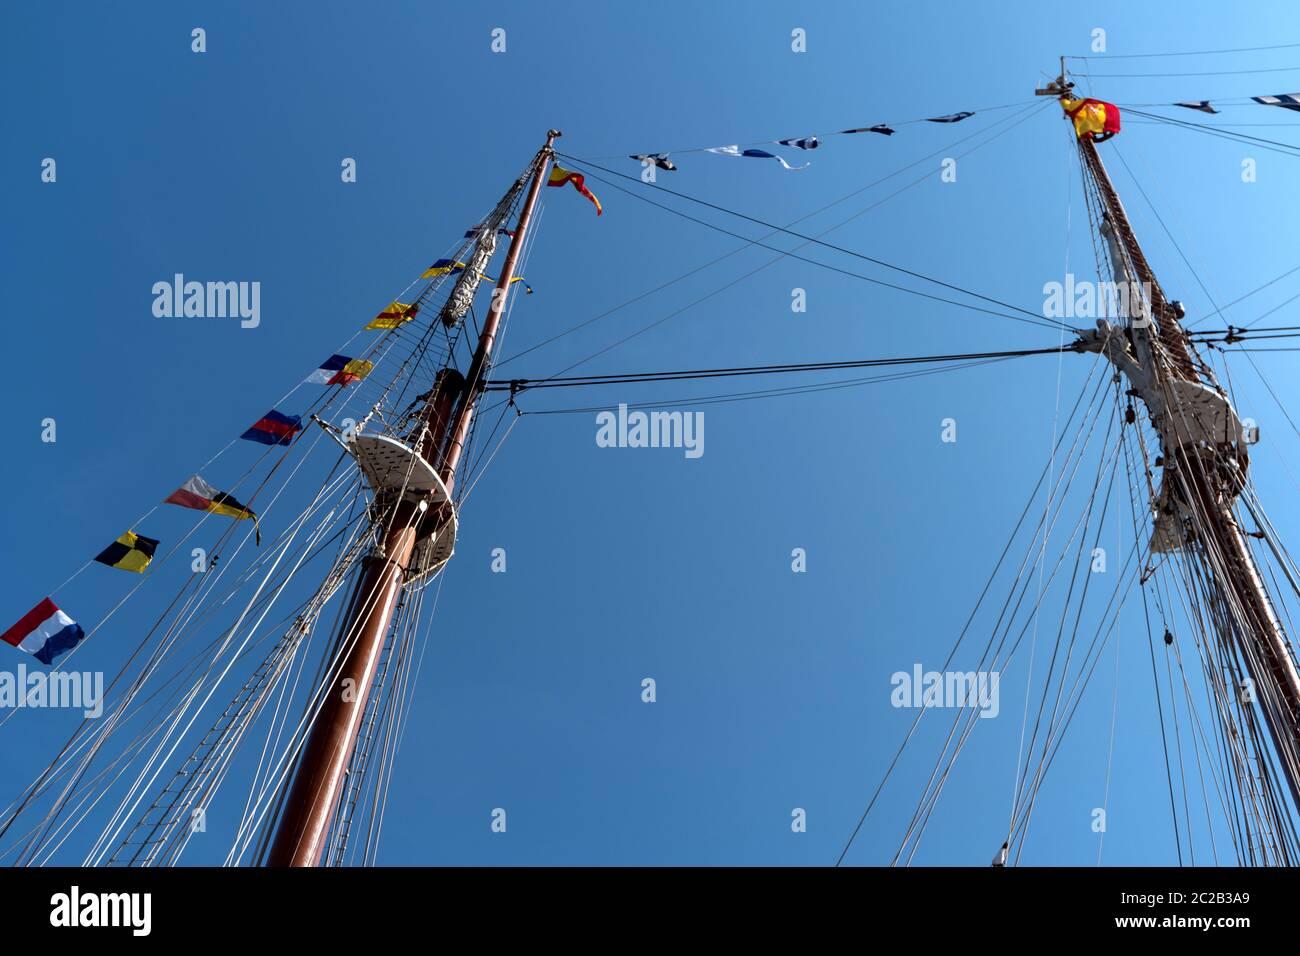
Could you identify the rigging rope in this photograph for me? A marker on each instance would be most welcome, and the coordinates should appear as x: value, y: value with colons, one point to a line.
x: 1144, y: 56
x: 524, y: 384
x: 1017, y: 117
x: 1037, y: 316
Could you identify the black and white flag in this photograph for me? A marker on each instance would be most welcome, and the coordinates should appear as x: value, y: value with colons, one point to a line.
x: 659, y: 159
x: 1202, y: 105
x: 1288, y: 101
x: 808, y: 142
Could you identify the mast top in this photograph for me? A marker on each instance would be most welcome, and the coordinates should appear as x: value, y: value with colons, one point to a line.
x: 1057, y: 87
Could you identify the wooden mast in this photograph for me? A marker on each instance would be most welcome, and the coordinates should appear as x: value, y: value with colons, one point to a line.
x: 445, y: 418
x: 1198, y: 476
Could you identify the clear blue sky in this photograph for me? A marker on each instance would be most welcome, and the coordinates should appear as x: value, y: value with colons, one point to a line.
x: 773, y: 688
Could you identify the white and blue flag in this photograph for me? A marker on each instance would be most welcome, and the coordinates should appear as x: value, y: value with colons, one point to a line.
x: 752, y: 154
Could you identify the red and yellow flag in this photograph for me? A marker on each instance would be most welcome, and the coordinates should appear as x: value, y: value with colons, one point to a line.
x: 560, y: 177
x: 1095, y: 119
x: 396, y: 314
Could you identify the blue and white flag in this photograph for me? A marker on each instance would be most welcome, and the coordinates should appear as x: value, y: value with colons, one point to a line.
x: 808, y: 142
x: 951, y: 118
x: 45, y: 632
x: 1288, y: 101
x: 753, y: 154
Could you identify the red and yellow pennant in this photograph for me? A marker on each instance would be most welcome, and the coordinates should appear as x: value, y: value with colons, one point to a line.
x: 561, y: 177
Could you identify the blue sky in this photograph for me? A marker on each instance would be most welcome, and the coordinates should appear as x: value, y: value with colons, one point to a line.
x: 773, y: 687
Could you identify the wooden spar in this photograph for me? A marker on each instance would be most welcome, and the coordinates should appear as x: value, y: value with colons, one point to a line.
x: 1231, y: 564
x: 318, y: 783
x: 477, y: 375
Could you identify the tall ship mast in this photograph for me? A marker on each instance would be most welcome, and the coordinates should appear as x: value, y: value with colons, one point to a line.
x: 1202, y: 462
x: 414, y: 481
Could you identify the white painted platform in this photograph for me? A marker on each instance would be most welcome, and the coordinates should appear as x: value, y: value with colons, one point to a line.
x: 391, y: 466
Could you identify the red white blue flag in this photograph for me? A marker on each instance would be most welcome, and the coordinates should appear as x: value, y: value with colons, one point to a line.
x: 45, y: 632
x: 340, y: 370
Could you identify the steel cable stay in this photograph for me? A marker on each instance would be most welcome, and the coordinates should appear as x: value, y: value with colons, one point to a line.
x: 1084, y: 403
x: 476, y: 466
x: 518, y: 386
x: 1149, y: 56
x: 764, y: 265
x: 1111, y: 76
x: 162, y: 560
x: 1136, y: 495
x: 395, y: 734
x: 136, y: 795
x: 274, y: 775
x: 399, y: 703
x: 384, y: 708
x: 1140, y: 493
x: 627, y: 378
x: 1219, y: 616
x: 186, y: 623
x: 966, y: 723
x: 1276, y: 146
x: 1203, y: 778
x: 1021, y: 795
x: 1036, y: 316
x: 778, y: 231
x: 209, y: 761
x: 344, y: 562
x: 153, y: 726
x: 331, y: 670
x: 337, y: 838
x: 1038, y: 320
x: 1217, y: 610
x: 408, y: 701
x: 1232, y: 333
x: 192, y: 606
x: 725, y: 398
x: 382, y: 722
x: 998, y: 657
x: 1256, y: 804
